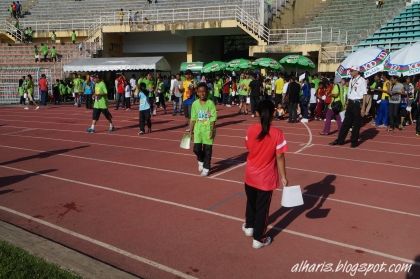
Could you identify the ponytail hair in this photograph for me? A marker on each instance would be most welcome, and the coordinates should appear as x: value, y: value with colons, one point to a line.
x: 266, y: 111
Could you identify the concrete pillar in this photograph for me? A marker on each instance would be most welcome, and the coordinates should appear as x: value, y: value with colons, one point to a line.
x: 190, y: 44
x: 261, y: 12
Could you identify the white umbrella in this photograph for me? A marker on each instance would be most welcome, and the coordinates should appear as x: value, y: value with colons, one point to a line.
x: 405, y: 61
x: 368, y: 60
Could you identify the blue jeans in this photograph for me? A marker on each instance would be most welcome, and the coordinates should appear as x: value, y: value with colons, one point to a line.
x: 382, y: 116
x: 304, y: 103
x: 44, y: 97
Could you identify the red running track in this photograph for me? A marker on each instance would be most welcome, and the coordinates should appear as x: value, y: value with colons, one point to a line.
x: 139, y: 204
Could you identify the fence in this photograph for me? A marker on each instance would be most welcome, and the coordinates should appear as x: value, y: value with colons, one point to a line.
x: 307, y: 36
x: 9, y: 82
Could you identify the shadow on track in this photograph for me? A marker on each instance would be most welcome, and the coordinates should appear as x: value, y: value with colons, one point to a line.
x: 314, y: 197
x: 43, y: 155
x: 13, y: 179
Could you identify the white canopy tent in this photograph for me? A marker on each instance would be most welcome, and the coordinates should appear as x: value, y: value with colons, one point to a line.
x: 155, y: 63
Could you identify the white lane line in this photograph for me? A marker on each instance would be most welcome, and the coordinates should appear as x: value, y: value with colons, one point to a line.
x: 18, y: 132
x: 309, y: 143
x: 228, y: 170
x: 217, y: 178
x: 100, y: 244
x: 229, y: 217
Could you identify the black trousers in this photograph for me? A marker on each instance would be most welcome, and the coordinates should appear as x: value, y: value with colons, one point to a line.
x: 418, y: 121
x: 292, y: 111
x: 22, y: 100
x: 352, y: 119
x: 278, y: 98
x: 120, y: 99
x: 145, y: 119
x: 88, y: 101
x: 127, y: 102
x: 255, y: 100
x: 257, y: 210
x: 203, y: 152
x: 393, y: 114
x: 162, y: 102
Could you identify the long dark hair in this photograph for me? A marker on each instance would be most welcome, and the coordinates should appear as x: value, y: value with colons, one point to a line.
x: 266, y: 111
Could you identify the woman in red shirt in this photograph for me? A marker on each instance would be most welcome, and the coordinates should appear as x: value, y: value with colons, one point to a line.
x: 265, y: 162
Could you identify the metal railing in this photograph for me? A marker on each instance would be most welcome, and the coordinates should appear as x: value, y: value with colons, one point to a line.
x: 10, y: 29
x: 307, y: 36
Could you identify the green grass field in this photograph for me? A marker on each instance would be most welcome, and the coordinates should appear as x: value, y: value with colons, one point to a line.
x: 16, y: 263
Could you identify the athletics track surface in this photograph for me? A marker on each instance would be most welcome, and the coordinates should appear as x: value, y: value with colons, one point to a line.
x: 138, y: 203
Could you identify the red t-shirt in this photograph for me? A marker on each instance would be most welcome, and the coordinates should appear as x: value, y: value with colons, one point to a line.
x: 261, y: 165
x: 43, y: 84
x: 121, y: 85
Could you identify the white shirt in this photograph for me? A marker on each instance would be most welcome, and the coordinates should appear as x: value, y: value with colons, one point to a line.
x: 175, y: 88
x: 357, y: 88
x: 127, y: 91
x: 133, y: 83
x: 313, y: 98
x: 285, y: 86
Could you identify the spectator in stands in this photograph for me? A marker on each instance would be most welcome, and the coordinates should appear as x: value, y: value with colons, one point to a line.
x: 28, y: 32
x: 44, y: 52
x: 379, y: 4
x: 149, y: 2
x: 53, y: 54
x: 18, y: 9
x: 100, y: 105
x: 43, y: 89
x: 53, y: 37
x: 73, y: 37
x: 120, y: 83
x: 130, y: 17
x: 120, y: 16
x: 10, y: 10
x: 353, y: 118
x: 14, y: 9
x: 36, y: 52
x: 30, y: 92
x: 293, y: 91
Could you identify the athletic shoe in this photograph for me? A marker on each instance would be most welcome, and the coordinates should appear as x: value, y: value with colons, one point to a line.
x: 417, y: 134
x: 200, y: 166
x: 252, y: 115
x: 140, y: 133
x: 304, y: 120
x: 37, y: 107
x: 90, y: 130
x: 111, y: 129
x: 187, y: 130
x: 26, y: 108
x: 205, y: 172
x: 228, y: 106
x: 247, y: 231
x: 260, y: 244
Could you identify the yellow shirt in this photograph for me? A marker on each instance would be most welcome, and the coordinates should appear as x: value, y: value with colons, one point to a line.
x: 279, y: 86
x: 386, y: 87
x: 187, y: 92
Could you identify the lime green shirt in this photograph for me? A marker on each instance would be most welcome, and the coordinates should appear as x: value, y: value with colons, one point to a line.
x: 244, y: 87
x: 217, y: 87
x: 44, y: 50
x: 204, y: 116
x: 78, y: 85
x: 101, y: 93
x: 62, y: 89
x: 30, y: 87
x: 73, y: 36
x: 53, y: 52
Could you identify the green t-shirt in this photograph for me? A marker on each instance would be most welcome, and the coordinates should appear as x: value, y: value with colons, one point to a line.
x: 316, y: 82
x: 149, y: 86
x: 53, y: 52
x: 244, y: 87
x: 62, y: 89
x: 21, y: 90
x: 203, y: 115
x: 30, y: 87
x: 217, y: 87
x: 101, y: 94
x: 73, y: 36
x: 78, y: 85
x: 44, y: 50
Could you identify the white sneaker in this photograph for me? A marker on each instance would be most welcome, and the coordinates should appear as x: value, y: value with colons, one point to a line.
x: 205, y: 172
x: 200, y: 166
x: 304, y: 120
x: 257, y: 244
x: 252, y: 115
x: 228, y: 106
x: 26, y: 108
x: 37, y: 107
x: 247, y: 231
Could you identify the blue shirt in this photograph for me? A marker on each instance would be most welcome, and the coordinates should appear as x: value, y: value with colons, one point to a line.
x: 144, y: 102
x: 88, y: 88
x: 306, y: 90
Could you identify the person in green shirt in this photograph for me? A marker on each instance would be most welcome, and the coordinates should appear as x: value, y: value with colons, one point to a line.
x: 36, y: 53
x: 243, y: 91
x: 30, y: 92
x: 62, y: 89
x: 100, y: 105
x: 333, y: 111
x: 160, y: 95
x: 21, y: 90
x: 150, y: 88
x: 217, y: 87
x: 53, y: 54
x: 202, y: 128
x: 77, y: 90
x: 73, y: 37
x: 44, y: 52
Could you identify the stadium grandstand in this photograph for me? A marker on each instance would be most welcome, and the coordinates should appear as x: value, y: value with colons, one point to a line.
x: 192, y: 30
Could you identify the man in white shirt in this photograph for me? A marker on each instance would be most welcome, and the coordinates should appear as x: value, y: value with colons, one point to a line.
x: 133, y: 84
x: 353, y: 117
x: 176, y: 93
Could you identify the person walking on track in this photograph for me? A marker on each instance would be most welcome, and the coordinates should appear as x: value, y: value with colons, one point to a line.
x: 353, y: 117
x: 266, y: 160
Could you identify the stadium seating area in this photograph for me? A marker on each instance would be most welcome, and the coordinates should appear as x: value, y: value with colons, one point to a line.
x: 358, y: 17
x: 401, y: 30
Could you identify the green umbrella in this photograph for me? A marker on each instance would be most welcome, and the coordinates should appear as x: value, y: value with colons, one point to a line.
x: 297, y: 61
x: 267, y: 63
x: 239, y: 64
x: 215, y: 66
x: 193, y: 66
